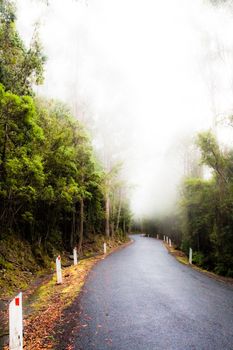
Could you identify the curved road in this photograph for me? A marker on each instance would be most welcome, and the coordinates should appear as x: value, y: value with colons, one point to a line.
x: 141, y: 298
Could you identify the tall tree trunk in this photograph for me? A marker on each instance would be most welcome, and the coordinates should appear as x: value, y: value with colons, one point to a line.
x: 73, y: 230
x: 112, y: 229
x: 80, y: 243
x: 124, y: 226
x: 3, y: 156
x: 107, y: 215
x: 119, y: 212
x: 112, y: 216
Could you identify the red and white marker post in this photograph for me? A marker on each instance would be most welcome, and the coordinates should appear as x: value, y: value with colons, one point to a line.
x: 58, y: 269
x: 16, y: 323
x: 105, y: 248
x: 75, y: 254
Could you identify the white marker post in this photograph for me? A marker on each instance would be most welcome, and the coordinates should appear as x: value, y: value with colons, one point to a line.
x: 190, y: 256
x: 157, y: 236
x: 167, y: 239
x: 105, y: 248
x: 75, y: 254
x: 164, y: 238
x: 16, y: 323
x: 170, y: 242
x: 58, y: 269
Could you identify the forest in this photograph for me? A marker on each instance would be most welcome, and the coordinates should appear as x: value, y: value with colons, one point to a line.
x: 203, y: 217
x: 116, y: 174
x: 54, y: 190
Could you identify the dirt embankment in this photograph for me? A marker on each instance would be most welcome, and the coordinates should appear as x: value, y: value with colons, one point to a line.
x: 44, y: 301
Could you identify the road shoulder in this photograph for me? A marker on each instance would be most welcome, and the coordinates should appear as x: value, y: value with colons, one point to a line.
x: 183, y: 259
x: 46, y: 311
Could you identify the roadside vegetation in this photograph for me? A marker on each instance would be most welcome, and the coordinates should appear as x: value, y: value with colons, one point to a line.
x: 55, y: 194
x: 203, y: 218
x: 47, y: 305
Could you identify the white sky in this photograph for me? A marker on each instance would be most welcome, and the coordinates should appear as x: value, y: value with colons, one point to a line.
x: 142, y: 74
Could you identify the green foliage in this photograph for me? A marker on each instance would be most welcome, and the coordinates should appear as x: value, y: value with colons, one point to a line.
x: 185, y: 244
x: 198, y: 214
x: 47, y: 169
x: 199, y: 259
x: 20, y: 67
x: 204, y: 218
x: 21, y: 168
x: 207, y: 210
x: 52, y: 188
x: 19, y: 263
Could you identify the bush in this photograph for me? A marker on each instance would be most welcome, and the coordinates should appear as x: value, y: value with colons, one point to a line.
x: 198, y: 258
x: 185, y: 246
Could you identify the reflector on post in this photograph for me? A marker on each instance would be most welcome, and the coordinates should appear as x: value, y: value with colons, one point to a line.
x: 16, y: 323
x: 58, y: 269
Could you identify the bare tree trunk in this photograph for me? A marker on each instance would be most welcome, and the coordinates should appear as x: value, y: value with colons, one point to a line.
x: 198, y: 241
x: 107, y: 215
x: 112, y: 229
x: 112, y: 216
x: 80, y: 243
x: 119, y: 212
x: 3, y: 156
x: 124, y: 228
x: 72, y: 231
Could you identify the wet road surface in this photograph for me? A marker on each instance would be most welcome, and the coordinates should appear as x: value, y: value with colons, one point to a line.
x: 141, y: 298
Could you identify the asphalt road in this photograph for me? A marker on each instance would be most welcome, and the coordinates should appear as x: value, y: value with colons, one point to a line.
x: 141, y: 298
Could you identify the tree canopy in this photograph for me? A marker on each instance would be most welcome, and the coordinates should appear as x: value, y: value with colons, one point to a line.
x: 52, y: 186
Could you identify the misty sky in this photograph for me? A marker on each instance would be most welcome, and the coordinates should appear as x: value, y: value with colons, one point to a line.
x: 144, y: 75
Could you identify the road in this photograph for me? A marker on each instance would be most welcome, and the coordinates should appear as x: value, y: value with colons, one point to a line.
x: 141, y: 298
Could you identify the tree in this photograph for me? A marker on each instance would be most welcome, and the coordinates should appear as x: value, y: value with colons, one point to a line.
x: 74, y: 179
x: 20, y: 68
x: 207, y: 209
x: 52, y: 188
x: 21, y: 168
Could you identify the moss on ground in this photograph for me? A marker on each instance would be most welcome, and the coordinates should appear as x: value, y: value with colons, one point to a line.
x: 23, y: 268
x: 45, y: 307
x: 19, y: 265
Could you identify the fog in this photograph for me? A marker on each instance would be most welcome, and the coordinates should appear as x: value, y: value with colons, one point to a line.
x: 144, y: 76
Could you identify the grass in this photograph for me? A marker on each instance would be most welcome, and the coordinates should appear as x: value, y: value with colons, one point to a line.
x: 183, y: 260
